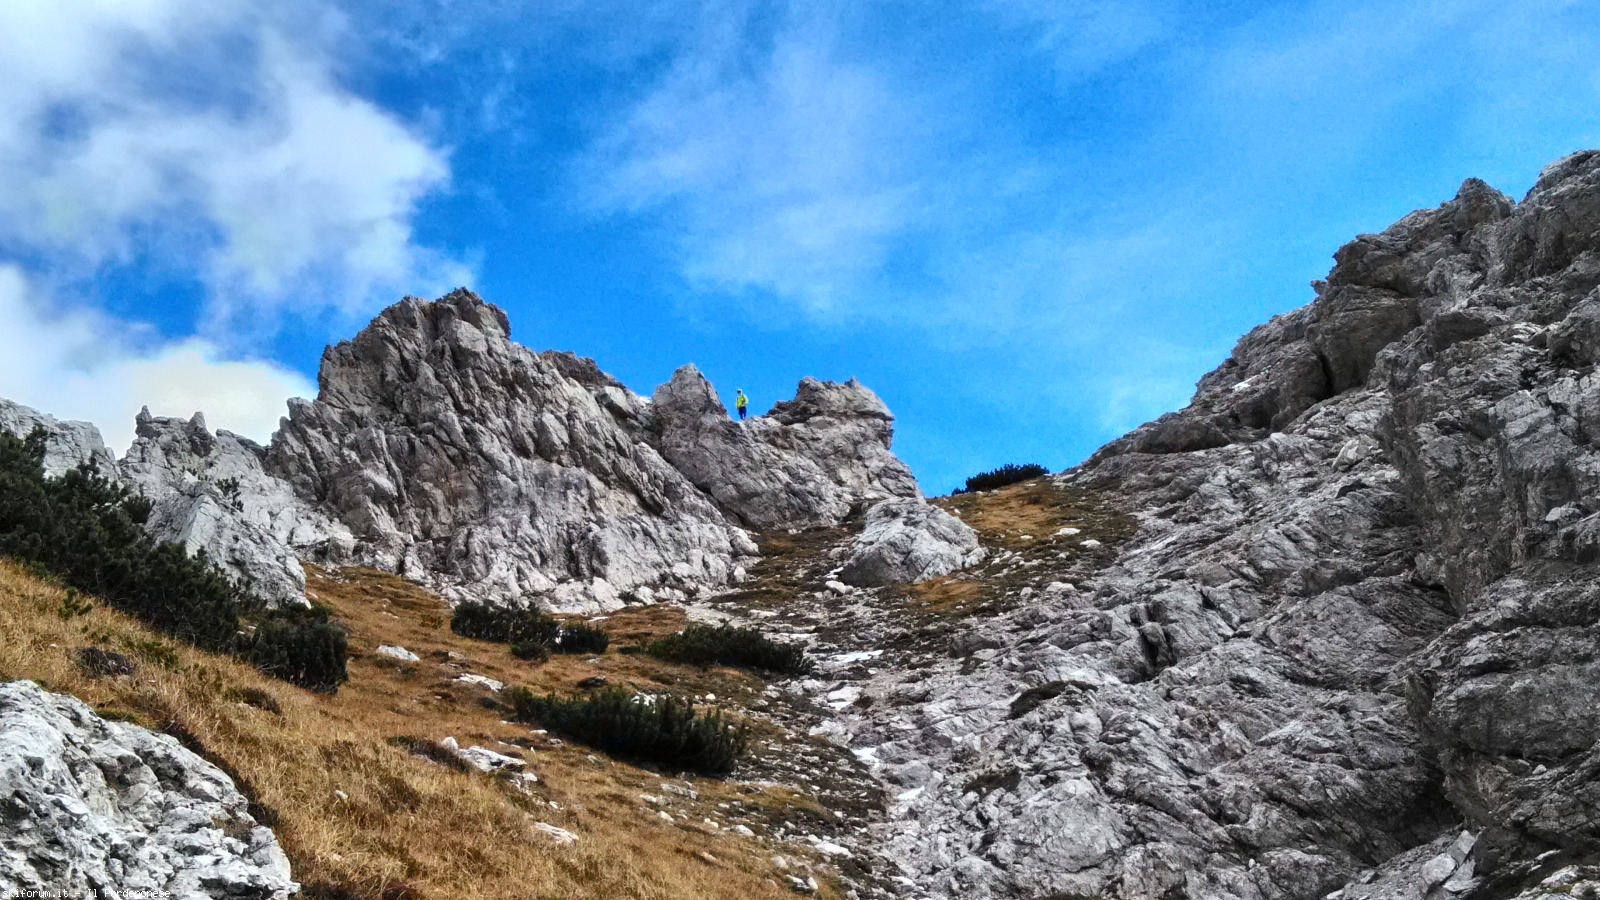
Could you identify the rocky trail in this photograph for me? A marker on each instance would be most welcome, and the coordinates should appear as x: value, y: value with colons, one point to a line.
x: 873, y: 646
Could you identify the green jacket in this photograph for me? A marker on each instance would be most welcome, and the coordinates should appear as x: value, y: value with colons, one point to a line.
x: 740, y: 401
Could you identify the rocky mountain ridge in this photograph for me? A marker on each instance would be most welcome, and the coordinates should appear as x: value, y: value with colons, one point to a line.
x: 440, y: 450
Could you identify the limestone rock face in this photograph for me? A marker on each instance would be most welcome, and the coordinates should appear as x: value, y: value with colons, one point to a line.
x: 68, y: 444
x: 1359, y: 616
x: 211, y: 493
x: 461, y: 459
x: 440, y: 450
x: 909, y: 540
x: 813, y: 460
x: 92, y: 805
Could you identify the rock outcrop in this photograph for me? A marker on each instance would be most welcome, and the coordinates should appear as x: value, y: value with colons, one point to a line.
x: 813, y: 460
x: 907, y: 541
x: 457, y: 457
x: 1358, y: 618
x: 68, y: 445
x: 99, y: 808
x: 211, y: 494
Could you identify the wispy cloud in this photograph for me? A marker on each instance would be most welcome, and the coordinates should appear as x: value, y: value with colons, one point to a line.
x: 212, y: 144
x: 1081, y: 37
x: 787, y: 167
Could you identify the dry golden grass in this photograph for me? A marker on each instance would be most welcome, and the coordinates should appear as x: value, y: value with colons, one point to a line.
x: 400, y: 826
x: 949, y: 596
x: 1024, y: 518
x: 1018, y: 515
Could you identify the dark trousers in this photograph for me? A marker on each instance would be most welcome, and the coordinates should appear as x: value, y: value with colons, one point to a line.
x: 741, y: 414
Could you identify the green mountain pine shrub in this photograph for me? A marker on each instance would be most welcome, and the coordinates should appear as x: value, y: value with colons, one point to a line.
x: 1010, y: 473
x: 88, y: 532
x: 704, y: 645
x: 582, y: 639
x: 532, y: 651
x: 662, y: 729
x: 302, y: 647
x: 504, y: 624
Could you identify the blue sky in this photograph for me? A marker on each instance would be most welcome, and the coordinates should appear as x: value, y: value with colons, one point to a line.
x: 1027, y: 225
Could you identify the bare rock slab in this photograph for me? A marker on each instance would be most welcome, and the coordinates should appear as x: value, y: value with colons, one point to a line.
x: 93, y: 807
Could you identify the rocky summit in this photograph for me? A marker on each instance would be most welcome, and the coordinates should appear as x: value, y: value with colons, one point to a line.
x: 1330, y: 631
x: 457, y: 457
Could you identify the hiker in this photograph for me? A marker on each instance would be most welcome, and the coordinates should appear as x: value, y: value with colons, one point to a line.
x: 740, y: 401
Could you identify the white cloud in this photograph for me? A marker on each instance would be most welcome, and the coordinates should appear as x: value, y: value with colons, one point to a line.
x: 791, y: 171
x: 212, y: 138
x: 87, y: 366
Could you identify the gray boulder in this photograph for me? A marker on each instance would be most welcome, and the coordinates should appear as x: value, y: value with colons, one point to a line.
x: 909, y: 540
x: 813, y: 460
x: 99, y: 808
x: 68, y: 445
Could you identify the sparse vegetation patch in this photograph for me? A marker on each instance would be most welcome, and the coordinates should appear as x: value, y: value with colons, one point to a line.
x: 87, y: 531
x: 705, y: 645
x: 662, y: 729
x: 1010, y: 473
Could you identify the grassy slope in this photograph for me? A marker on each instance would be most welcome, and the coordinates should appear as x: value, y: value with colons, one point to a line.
x: 1023, y: 519
x: 361, y: 817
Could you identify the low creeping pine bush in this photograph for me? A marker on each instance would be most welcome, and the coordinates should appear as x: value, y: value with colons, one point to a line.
x: 504, y: 624
x: 582, y: 639
x: 661, y: 729
x: 531, y: 634
x: 1010, y: 473
x: 704, y: 645
x: 532, y: 651
x: 88, y: 532
x: 302, y: 647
